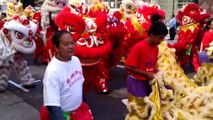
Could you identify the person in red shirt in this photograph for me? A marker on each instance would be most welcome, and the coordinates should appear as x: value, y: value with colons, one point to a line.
x: 206, y: 40
x: 142, y: 60
x: 141, y: 67
x: 208, y: 35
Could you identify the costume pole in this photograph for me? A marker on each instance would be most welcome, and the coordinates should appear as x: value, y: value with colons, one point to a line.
x: 18, y: 86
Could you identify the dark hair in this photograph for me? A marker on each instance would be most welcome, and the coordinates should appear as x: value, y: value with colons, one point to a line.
x: 56, y: 37
x: 156, y: 18
x: 173, y: 15
x: 158, y: 28
x: 208, y: 23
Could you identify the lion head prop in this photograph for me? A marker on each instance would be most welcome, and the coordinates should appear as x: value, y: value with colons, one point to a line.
x: 191, y: 14
x: 20, y: 32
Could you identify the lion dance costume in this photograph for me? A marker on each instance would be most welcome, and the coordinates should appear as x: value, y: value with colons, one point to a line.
x: 190, y: 17
x: 16, y: 39
x: 174, y: 95
x: 91, y: 30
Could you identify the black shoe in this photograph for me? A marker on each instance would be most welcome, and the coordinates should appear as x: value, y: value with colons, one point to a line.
x: 35, y: 62
x: 170, y: 39
x: 45, y: 63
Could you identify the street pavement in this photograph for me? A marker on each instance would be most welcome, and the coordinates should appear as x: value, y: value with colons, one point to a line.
x: 20, y: 105
x: 13, y: 107
x: 104, y: 107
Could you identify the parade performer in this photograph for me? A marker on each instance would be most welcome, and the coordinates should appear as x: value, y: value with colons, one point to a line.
x: 40, y: 47
x: 91, y: 46
x: 76, y: 25
x: 16, y: 39
x: 210, y: 51
x: 116, y: 32
x: 190, y: 18
x: 208, y: 36
x: 29, y: 12
x: 181, y: 97
x: 98, y: 6
x: 49, y: 9
x: 128, y: 9
x: 63, y: 92
x: 141, y: 65
x: 206, y: 40
x: 139, y: 24
x: 13, y: 9
x: 134, y: 31
x: 79, y: 7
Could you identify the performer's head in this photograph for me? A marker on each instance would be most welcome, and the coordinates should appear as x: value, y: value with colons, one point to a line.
x: 157, y: 33
x: 64, y: 45
x: 210, y: 23
x: 156, y: 18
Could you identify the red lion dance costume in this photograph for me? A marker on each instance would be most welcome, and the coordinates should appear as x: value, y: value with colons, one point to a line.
x: 90, y: 45
x: 140, y: 23
x: 115, y: 31
x: 49, y: 9
x: 40, y: 46
x: 93, y: 42
x: 190, y: 17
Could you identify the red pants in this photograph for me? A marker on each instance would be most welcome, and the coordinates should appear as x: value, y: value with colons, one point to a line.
x: 82, y: 113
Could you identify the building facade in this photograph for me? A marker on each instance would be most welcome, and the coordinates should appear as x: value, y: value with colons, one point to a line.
x: 206, y: 4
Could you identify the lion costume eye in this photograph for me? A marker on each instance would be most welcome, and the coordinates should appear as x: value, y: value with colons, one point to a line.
x: 185, y: 20
x: 73, y: 6
x: 137, y: 15
x: 64, y: 4
x: 129, y: 6
x: 19, y: 35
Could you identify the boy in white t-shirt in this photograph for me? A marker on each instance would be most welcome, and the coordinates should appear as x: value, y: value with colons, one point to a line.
x: 62, y: 83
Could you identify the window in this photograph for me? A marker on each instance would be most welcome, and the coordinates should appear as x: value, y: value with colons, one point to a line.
x: 183, y: 2
x: 113, y: 3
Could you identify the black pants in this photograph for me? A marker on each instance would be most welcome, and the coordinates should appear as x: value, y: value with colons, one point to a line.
x: 172, y: 33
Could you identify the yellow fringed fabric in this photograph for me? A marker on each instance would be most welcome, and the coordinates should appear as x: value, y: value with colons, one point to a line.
x: 137, y: 26
x: 139, y: 102
x: 155, y: 98
x: 191, y: 27
x: 180, y: 117
x: 139, y: 107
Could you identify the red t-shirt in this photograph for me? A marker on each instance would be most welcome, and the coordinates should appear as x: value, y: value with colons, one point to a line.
x: 207, y: 39
x: 143, y: 56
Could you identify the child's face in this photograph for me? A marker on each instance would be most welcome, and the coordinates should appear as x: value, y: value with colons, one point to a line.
x: 156, y: 40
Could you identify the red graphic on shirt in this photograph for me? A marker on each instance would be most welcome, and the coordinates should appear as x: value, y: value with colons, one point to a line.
x: 74, y: 77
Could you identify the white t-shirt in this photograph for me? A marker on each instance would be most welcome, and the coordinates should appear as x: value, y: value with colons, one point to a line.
x: 62, y: 84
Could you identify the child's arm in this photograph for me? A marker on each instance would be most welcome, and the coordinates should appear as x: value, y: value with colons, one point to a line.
x: 135, y: 70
